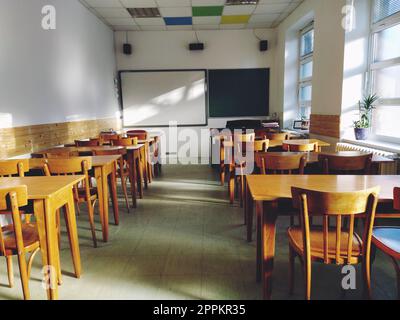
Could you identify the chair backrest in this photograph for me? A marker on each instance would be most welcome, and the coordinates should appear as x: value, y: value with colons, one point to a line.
x: 18, y: 167
x: 108, y: 137
x: 87, y: 143
x: 11, y: 199
x: 336, y: 206
x: 334, y: 163
x: 241, y: 141
x: 396, y: 197
x: 281, y: 163
x: 140, y: 134
x: 125, y: 142
x: 263, y: 133
x: 64, y: 166
x: 278, y: 136
x: 307, y: 147
x: 261, y: 145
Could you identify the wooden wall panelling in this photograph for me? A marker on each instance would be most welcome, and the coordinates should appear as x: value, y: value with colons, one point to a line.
x: 28, y: 139
x: 325, y: 125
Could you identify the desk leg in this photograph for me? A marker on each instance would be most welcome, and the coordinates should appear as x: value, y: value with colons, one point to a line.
x: 259, y: 208
x: 104, y: 179
x: 39, y: 211
x: 70, y: 220
x: 111, y: 182
x: 133, y: 176
x: 141, y: 173
x: 222, y: 163
x: 249, y: 212
x: 269, y: 216
x: 149, y: 166
x: 52, y: 248
x: 144, y: 167
x: 100, y: 194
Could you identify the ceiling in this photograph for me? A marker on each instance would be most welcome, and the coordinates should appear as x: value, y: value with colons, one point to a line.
x: 192, y: 14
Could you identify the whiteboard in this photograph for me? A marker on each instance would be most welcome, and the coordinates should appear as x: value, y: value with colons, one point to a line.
x: 157, y: 98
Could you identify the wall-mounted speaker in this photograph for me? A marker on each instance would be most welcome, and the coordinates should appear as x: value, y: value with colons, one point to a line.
x: 127, y: 49
x: 264, y: 45
x: 196, y: 46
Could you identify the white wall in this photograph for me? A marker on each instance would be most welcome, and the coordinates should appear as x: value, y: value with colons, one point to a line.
x: 224, y: 49
x: 54, y: 76
x: 328, y: 58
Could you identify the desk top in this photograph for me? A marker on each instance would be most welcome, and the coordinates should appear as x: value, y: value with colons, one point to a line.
x: 299, y: 142
x: 87, y: 149
x: 97, y: 161
x: 273, y: 187
x: 312, y: 157
x: 42, y: 187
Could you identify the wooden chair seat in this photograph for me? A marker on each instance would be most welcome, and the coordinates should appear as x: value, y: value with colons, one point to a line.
x: 388, y: 240
x: 30, y: 237
x: 317, y: 243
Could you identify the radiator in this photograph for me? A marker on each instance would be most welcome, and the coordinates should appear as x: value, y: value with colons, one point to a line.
x: 389, y: 168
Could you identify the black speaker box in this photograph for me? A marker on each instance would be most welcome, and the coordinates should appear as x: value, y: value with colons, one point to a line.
x: 127, y: 48
x: 196, y: 46
x: 264, y: 45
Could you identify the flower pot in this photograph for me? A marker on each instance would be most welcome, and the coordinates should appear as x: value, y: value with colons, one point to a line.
x: 361, y: 133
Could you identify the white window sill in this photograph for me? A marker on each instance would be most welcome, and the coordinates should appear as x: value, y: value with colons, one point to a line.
x: 385, y: 146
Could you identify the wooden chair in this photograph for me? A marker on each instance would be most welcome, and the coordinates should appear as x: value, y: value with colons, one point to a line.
x: 278, y: 136
x: 9, y: 168
x: 88, y: 143
x: 387, y: 239
x: 140, y: 134
x: 308, y: 147
x: 62, y: 154
x: 19, y: 167
x: 122, y: 171
x: 17, y: 238
x: 261, y: 145
x: 240, y: 143
x: 107, y: 138
x: 85, y: 193
x: 336, y: 164
x: 281, y: 162
x: 123, y: 142
x: 332, y: 245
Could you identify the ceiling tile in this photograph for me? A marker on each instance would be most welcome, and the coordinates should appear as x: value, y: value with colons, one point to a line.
x: 239, y: 10
x: 235, y: 19
x: 207, y: 20
x: 208, y: 3
x: 121, y: 21
x: 103, y: 3
x: 176, y: 12
x: 173, y: 3
x: 150, y: 21
x: 139, y: 3
x: 113, y: 12
x: 178, y: 21
x: 208, y: 11
x: 206, y: 26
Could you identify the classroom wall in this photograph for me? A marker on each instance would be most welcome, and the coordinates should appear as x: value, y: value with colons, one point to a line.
x: 224, y: 49
x: 328, y: 59
x: 54, y: 76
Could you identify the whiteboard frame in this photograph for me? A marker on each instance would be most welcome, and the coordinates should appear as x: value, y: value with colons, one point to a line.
x: 121, y: 100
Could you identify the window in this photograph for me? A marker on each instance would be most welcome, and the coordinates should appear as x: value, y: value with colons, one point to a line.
x: 385, y: 69
x: 306, y: 71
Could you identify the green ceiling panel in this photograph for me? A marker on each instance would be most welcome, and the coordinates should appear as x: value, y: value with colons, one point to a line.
x: 210, y: 11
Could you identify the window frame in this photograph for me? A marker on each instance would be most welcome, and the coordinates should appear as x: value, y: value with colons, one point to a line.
x: 374, y: 65
x: 302, y: 60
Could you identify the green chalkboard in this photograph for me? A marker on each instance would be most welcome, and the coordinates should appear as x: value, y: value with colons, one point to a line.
x: 238, y: 93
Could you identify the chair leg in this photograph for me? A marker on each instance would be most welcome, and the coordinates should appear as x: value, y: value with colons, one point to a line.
x: 241, y: 192
x: 232, y: 186
x: 292, y: 257
x: 307, y: 278
x: 397, y: 268
x: 124, y: 189
x: 23, y: 270
x: 30, y: 261
x: 366, y: 269
x: 58, y: 224
x: 91, y: 221
x: 10, y: 271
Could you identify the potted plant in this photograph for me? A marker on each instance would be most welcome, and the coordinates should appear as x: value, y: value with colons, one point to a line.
x: 362, y: 127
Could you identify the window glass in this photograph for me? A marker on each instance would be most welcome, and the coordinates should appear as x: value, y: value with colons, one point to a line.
x: 387, y: 82
x: 385, y: 8
x: 305, y: 93
x: 307, y: 43
x: 388, y: 43
x: 306, y: 70
x: 386, y: 121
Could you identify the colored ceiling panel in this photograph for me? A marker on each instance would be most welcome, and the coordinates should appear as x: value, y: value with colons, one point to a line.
x: 178, y: 21
x: 210, y: 11
x: 235, y: 19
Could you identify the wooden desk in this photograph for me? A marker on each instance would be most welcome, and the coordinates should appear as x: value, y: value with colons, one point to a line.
x: 301, y: 142
x: 148, y: 175
x: 266, y: 190
x: 48, y: 195
x: 104, y: 173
